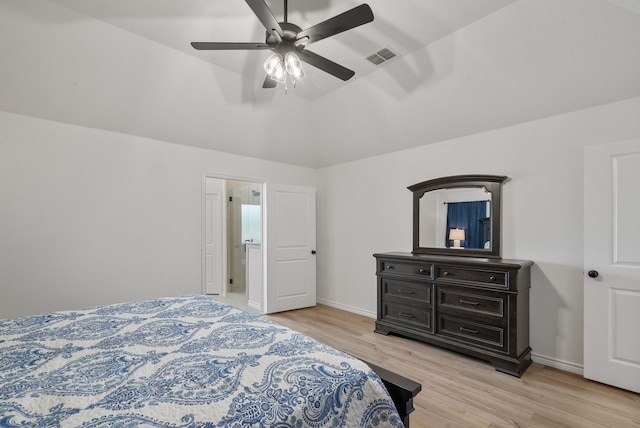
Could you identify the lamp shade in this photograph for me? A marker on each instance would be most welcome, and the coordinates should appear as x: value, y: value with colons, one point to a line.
x: 456, y: 234
x: 274, y: 66
x: 293, y: 67
x: 279, y: 68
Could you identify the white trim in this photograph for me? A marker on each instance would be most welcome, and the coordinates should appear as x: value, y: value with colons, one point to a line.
x: 558, y: 364
x: 347, y: 308
x: 254, y: 305
x: 233, y: 177
x: 203, y: 219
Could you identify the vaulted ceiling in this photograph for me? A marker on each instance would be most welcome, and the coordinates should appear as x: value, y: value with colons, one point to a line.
x: 463, y: 67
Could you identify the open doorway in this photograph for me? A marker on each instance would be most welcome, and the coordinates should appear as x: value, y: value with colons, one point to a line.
x: 244, y: 237
x: 233, y: 242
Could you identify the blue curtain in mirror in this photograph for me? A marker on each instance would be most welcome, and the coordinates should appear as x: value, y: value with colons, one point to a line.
x: 467, y: 216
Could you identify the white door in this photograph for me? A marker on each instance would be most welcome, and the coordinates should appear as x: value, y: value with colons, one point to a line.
x: 213, y: 232
x: 612, y: 264
x: 291, y: 241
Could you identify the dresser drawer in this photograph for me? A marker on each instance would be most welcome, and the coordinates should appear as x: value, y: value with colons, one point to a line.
x: 419, y: 316
x: 472, y: 303
x: 471, y: 332
x: 412, y: 291
x: 393, y: 267
x: 497, y: 279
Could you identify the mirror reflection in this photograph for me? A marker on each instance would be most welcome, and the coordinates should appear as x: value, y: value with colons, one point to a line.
x: 456, y: 218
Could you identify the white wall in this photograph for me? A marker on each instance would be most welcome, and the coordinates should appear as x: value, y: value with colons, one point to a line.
x: 91, y: 217
x: 364, y: 208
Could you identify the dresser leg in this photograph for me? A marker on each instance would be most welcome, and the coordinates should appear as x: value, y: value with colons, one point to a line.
x: 381, y: 329
x: 516, y: 368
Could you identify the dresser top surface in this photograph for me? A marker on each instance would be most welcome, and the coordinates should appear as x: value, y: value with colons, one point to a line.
x: 504, y: 263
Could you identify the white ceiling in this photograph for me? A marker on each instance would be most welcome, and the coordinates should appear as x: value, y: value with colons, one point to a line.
x: 465, y: 66
x: 405, y: 26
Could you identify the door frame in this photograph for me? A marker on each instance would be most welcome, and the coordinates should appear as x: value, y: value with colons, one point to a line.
x: 203, y: 215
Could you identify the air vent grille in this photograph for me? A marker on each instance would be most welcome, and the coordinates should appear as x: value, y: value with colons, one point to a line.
x: 381, y: 56
x: 375, y: 59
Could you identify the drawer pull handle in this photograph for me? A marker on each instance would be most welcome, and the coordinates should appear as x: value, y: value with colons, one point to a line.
x: 405, y: 291
x: 389, y: 267
x: 468, y: 302
x: 492, y: 278
x: 406, y: 315
x: 423, y: 270
x: 446, y: 273
x: 468, y: 330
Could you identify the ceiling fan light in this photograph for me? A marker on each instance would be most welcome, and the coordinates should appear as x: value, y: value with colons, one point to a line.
x: 274, y: 66
x: 293, y: 67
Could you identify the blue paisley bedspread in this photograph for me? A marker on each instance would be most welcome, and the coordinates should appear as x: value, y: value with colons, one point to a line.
x: 189, y: 361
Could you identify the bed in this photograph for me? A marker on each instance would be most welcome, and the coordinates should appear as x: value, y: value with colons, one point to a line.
x: 189, y: 361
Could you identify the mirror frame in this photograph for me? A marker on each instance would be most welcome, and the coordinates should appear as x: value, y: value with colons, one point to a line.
x: 493, y: 184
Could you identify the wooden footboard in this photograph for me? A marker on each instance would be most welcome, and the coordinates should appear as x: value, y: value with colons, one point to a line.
x: 401, y: 390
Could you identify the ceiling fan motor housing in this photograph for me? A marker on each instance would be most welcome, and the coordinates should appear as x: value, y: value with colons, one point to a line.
x: 290, y: 34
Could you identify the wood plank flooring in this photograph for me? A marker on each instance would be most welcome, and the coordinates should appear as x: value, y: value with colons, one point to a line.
x: 458, y: 391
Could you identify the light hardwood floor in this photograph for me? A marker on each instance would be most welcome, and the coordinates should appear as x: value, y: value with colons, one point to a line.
x: 458, y: 391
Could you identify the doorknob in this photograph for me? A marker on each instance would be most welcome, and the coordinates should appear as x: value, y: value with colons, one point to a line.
x: 593, y: 274
x: 313, y: 251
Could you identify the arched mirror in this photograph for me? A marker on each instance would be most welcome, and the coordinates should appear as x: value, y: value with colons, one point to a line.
x: 458, y: 215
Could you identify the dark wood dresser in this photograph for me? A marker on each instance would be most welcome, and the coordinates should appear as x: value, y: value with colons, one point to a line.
x: 476, y: 306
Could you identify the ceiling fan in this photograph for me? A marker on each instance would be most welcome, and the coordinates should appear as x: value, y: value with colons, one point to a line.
x: 289, y: 42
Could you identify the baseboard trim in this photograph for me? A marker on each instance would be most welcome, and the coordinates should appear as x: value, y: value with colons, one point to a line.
x: 347, y: 308
x: 537, y: 358
x: 558, y: 364
x: 254, y: 305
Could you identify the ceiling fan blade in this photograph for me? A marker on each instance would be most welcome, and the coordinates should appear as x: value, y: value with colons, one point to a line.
x: 269, y: 83
x: 345, y: 21
x: 325, y: 65
x: 265, y: 16
x: 215, y: 46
